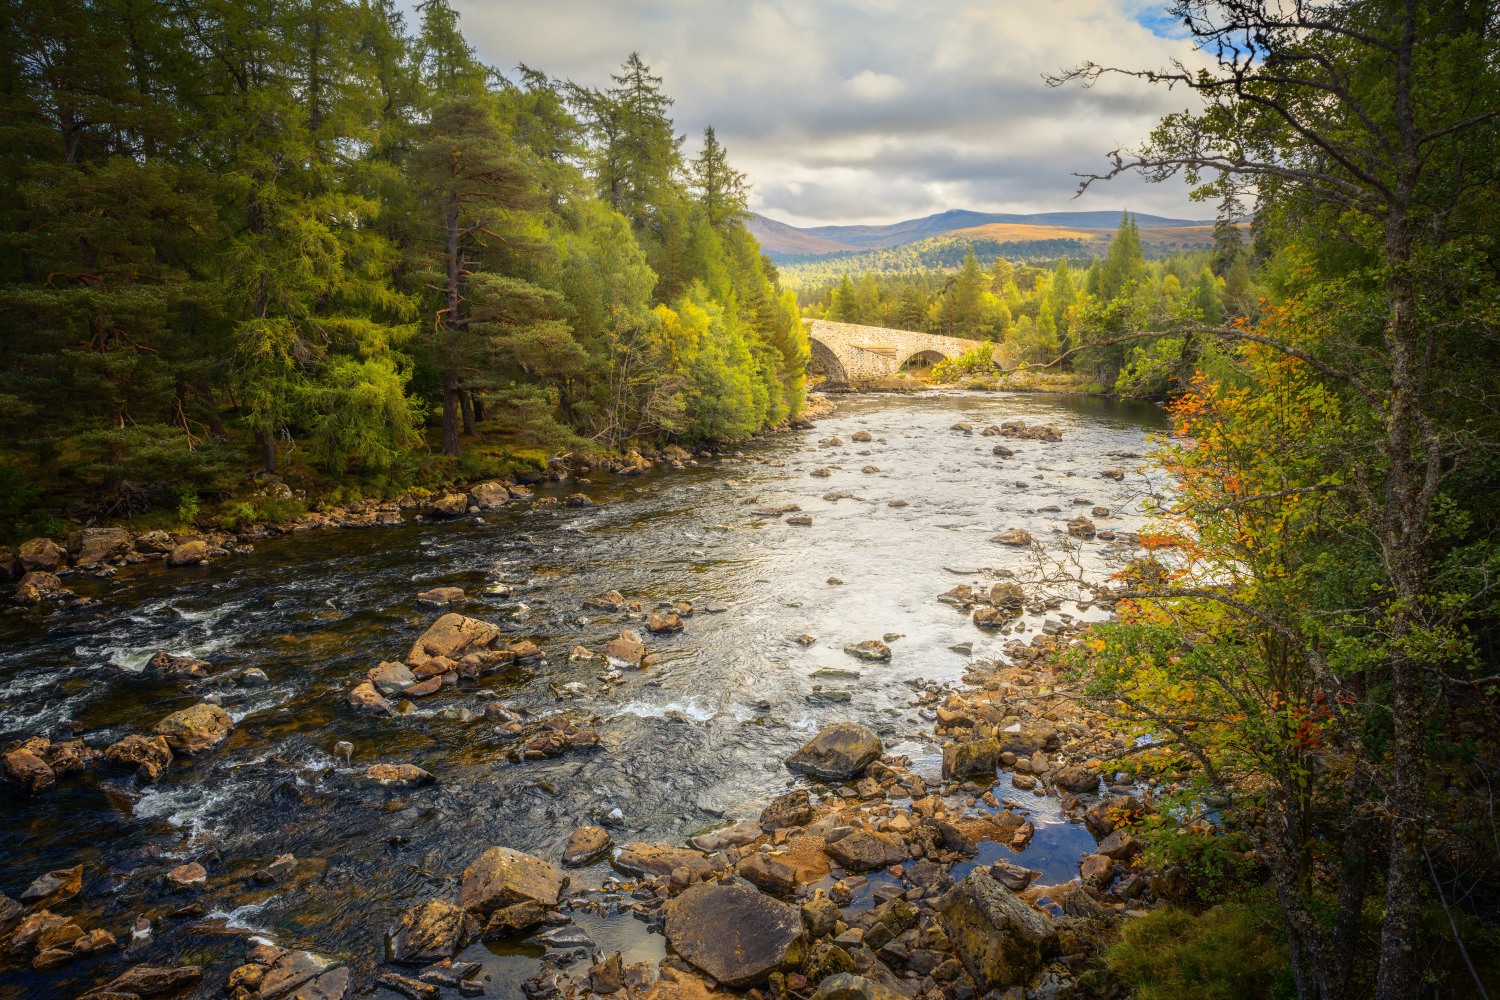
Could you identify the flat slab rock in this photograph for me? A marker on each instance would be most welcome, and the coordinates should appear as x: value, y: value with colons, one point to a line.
x: 658, y: 859
x: 502, y: 876
x: 734, y: 933
x: 838, y: 753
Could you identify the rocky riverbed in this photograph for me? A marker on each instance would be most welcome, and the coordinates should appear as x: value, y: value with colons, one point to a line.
x: 785, y: 722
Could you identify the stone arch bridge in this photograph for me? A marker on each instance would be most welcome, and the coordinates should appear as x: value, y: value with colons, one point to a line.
x: 848, y: 354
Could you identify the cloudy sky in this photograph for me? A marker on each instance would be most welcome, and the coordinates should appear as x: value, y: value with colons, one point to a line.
x: 872, y: 111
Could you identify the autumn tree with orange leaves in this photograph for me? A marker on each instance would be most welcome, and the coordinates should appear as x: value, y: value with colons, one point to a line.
x: 1316, y: 630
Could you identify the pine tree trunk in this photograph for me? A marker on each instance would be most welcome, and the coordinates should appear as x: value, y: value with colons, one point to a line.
x: 452, y: 404
x: 1404, y: 541
x: 467, y: 403
x: 477, y: 402
x: 267, y: 451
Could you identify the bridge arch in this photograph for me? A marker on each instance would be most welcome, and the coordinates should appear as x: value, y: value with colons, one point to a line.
x: 825, y: 361
x: 922, y: 358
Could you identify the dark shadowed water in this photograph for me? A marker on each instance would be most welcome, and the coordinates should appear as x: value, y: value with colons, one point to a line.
x: 694, y: 740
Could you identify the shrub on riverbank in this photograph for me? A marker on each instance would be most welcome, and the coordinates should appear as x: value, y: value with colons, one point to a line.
x: 1230, y: 952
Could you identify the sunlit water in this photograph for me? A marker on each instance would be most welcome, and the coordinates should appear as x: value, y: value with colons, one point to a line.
x: 694, y: 740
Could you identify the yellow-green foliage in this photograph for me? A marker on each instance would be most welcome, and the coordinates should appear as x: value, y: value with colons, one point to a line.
x: 1226, y: 953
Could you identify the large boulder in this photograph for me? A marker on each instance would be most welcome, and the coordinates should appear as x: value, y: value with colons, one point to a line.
x: 391, y: 678
x: 971, y: 757
x: 863, y: 851
x: 196, y: 729
x: 448, y: 505
x: 586, y: 845
x: 627, y: 648
x: 97, y: 546
x: 735, y: 934
x: 792, y: 809
x: 487, y: 496
x: 1000, y: 938
x: 147, y: 756
x: 40, y: 585
x: 452, y: 636
x: 25, y: 769
x: 657, y: 859
x: 189, y: 553
x: 838, y: 753
x: 501, y: 877
x: 41, y: 554
x: 429, y: 932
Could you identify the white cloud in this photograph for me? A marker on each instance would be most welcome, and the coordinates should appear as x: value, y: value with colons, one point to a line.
x: 847, y: 111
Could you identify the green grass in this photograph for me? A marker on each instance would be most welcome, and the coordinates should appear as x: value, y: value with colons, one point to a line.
x: 1230, y: 952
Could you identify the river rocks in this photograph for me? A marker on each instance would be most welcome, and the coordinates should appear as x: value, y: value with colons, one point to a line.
x: 41, y: 554
x: 502, y: 877
x: 1000, y: 939
x: 800, y: 520
x: 1082, y: 527
x: 586, y: 845
x: 1115, y: 474
x: 861, y: 437
x: 391, y: 678
x: 735, y: 934
x: 823, y: 473
x: 1097, y: 870
x: 963, y: 427
x: 847, y: 986
x: 488, y: 495
x: 196, y: 729
x: 39, y: 586
x: 164, y: 664
x: 871, y: 650
x: 24, y: 768
x: 971, y: 757
x: 153, y: 980
x: 98, y: 546
x: 1008, y: 596
x: 626, y: 648
x: 398, y: 775
x: 148, y: 756
x: 667, y: 624
x: 863, y: 851
x: 1000, y: 451
x: 1038, y: 432
x: 838, y: 753
x: 768, y: 874
x: 1120, y: 846
x: 612, y: 601
x: 1077, y: 779
x: 442, y: 595
x: 278, y: 871
x: 452, y: 636
x: 189, y: 553
x: 658, y: 859
x: 792, y: 809
x: 186, y: 877
x: 302, y: 972
x: 1018, y: 537
x: 54, y: 888
x: 366, y: 698
x: 448, y: 505
x: 992, y: 618
x: 429, y: 932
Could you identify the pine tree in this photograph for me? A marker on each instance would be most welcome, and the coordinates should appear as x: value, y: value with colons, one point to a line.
x: 722, y: 190
x: 1125, y: 262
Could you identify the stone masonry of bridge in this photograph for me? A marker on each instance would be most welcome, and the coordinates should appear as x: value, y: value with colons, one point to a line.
x: 849, y: 354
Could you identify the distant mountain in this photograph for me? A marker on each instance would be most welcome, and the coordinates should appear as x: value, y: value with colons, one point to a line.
x: 780, y: 240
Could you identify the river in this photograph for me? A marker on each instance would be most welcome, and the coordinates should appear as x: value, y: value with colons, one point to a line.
x: 692, y: 742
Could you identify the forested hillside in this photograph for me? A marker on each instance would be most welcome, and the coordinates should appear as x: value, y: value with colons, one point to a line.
x: 321, y: 241
x: 1066, y: 316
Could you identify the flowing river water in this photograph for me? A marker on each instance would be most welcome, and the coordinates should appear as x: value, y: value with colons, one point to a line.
x: 690, y: 743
